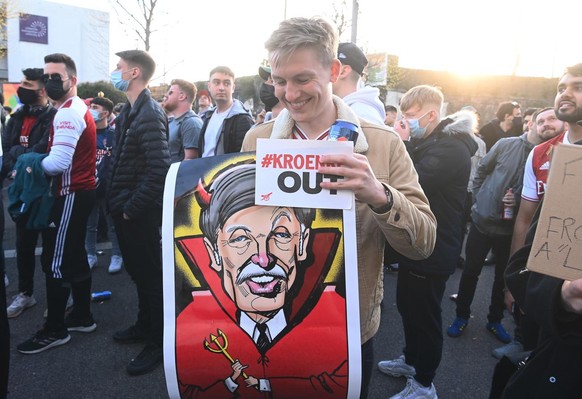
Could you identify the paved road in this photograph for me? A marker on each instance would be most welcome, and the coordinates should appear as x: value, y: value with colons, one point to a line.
x: 92, y: 365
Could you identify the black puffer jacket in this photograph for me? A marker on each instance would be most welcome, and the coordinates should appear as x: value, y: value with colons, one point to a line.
x: 443, y: 163
x: 37, y: 139
x: 141, y: 159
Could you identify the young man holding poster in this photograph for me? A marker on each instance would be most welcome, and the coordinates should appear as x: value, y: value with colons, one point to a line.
x: 389, y: 200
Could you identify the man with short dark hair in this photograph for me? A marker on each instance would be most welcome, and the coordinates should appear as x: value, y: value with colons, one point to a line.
x: 391, y: 114
x: 364, y: 101
x: 184, y: 124
x: 71, y: 165
x: 226, y: 124
x: 101, y: 109
x: 508, y: 115
x: 135, y: 193
x: 27, y: 130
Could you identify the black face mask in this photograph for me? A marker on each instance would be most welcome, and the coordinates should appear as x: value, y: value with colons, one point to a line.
x: 55, y: 89
x: 27, y: 96
x: 518, y: 122
x: 267, y: 96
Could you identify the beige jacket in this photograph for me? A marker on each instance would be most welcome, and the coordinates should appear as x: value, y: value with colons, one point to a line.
x: 409, y: 227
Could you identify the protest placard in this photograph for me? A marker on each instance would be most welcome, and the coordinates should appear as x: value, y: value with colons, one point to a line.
x: 259, y: 301
x: 557, y: 246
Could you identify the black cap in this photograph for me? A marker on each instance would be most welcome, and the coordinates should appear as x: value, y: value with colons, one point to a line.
x: 264, y: 72
x: 350, y: 54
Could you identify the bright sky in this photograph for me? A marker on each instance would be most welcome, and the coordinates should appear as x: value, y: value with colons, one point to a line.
x: 466, y: 37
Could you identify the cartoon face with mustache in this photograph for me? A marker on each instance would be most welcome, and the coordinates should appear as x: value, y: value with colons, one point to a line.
x: 257, y: 252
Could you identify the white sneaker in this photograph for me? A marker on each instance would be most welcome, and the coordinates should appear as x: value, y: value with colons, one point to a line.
x: 415, y: 390
x: 19, y: 303
x: 397, y: 368
x: 92, y: 259
x: 510, y: 348
x: 115, y: 265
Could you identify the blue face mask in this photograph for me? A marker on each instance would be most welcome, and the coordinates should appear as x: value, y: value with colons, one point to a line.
x: 118, y: 82
x: 95, y: 115
x: 416, y: 132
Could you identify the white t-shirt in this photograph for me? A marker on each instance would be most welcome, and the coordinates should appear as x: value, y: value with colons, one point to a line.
x: 213, y: 131
x: 530, y: 187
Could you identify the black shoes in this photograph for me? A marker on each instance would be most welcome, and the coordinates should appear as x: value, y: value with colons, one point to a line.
x: 43, y: 340
x: 130, y: 335
x: 148, y: 359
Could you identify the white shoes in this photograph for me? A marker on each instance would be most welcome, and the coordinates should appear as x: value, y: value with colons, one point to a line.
x: 19, y: 303
x: 415, y: 390
x: 116, y: 264
x: 92, y: 259
x: 397, y: 368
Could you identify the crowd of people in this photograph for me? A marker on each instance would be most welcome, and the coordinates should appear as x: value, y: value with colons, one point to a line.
x: 415, y: 173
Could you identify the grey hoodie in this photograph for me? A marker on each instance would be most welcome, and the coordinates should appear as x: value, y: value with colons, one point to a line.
x: 366, y: 105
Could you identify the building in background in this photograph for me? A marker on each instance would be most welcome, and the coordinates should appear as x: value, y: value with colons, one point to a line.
x: 36, y: 28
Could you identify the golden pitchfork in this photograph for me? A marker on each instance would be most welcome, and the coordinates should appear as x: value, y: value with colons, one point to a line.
x: 220, y: 347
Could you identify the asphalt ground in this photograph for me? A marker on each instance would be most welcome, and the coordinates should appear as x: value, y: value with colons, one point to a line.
x: 92, y: 365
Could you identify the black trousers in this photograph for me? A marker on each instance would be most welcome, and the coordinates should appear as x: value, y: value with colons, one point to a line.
x: 64, y: 260
x: 4, y: 327
x: 476, y: 249
x: 26, y: 241
x: 418, y: 298
x: 139, y: 241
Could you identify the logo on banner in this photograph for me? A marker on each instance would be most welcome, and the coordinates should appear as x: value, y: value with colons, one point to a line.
x: 33, y: 28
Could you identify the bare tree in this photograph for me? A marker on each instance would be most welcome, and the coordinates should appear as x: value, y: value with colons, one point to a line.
x: 340, y: 17
x: 8, y: 9
x: 141, y: 21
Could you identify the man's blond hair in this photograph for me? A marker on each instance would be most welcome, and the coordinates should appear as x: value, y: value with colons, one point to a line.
x: 421, y: 96
x: 298, y: 33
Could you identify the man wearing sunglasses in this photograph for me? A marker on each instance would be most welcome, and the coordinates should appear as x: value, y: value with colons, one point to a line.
x: 70, y: 163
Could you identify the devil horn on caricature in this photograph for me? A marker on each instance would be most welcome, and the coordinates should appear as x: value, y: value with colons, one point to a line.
x: 203, y: 195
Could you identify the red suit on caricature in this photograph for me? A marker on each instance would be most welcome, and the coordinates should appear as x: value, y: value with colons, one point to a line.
x: 308, y: 359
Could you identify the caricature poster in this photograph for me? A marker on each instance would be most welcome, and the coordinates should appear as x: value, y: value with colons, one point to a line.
x: 259, y: 301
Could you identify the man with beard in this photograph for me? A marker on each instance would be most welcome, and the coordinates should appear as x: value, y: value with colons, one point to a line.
x: 184, y: 125
x: 71, y: 165
x: 568, y: 108
x: 264, y: 268
x: 553, y: 369
x: 27, y: 130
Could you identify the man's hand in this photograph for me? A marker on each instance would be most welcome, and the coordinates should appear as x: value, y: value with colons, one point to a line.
x: 572, y: 296
x: 252, y: 382
x: 357, y: 177
x: 403, y: 129
x: 509, y: 199
x: 237, y: 369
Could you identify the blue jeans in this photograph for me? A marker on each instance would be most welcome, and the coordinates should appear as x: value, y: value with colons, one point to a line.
x: 93, y: 223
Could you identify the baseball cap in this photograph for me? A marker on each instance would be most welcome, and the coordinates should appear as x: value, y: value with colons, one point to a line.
x: 264, y: 72
x: 350, y: 54
x: 203, y: 92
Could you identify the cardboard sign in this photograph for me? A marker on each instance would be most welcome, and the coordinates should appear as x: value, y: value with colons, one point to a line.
x: 557, y: 246
x: 287, y: 174
x: 259, y: 301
